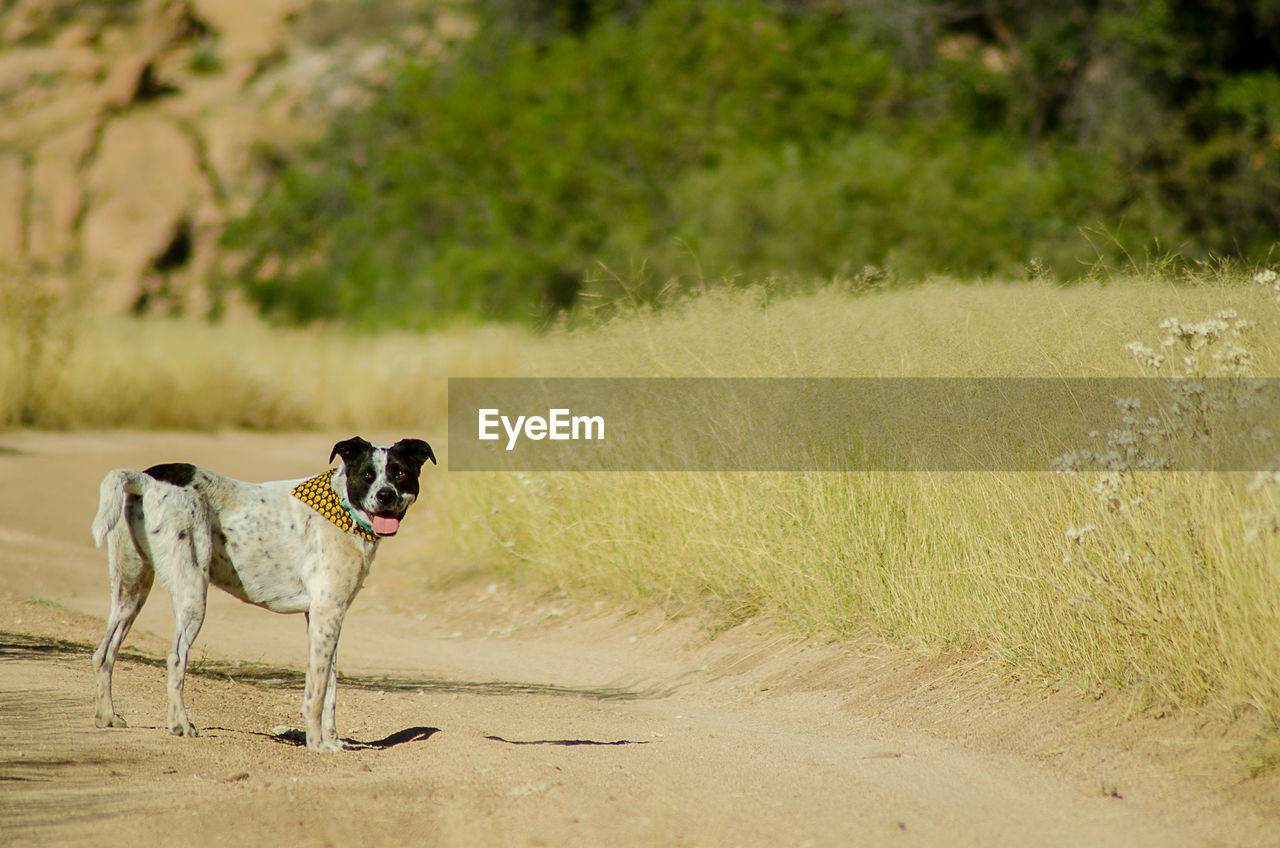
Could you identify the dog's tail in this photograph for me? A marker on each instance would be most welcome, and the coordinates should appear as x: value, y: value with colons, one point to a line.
x: 111, y: 496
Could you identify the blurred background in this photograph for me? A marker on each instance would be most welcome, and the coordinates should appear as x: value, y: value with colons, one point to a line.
x: 380, y: 163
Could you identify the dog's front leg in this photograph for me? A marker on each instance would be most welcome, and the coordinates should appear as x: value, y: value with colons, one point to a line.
x: 324, y: 625
x: 329, y: 715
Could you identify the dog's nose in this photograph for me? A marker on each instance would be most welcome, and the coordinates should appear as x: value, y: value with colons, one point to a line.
x: 386, y: 497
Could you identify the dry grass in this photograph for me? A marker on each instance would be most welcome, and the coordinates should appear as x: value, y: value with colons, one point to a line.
x: 1169, y: 590
x: 1172, y: 595
x: 188, y: 374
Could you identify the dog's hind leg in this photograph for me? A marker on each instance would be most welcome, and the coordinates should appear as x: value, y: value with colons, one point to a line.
x: 186, y: 576
x: 181, y: 548
x: 131, y: 580
x: 188, y: 616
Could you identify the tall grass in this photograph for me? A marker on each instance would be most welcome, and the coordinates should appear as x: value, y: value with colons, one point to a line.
x: 1173, y: 598
x: 189, y: 374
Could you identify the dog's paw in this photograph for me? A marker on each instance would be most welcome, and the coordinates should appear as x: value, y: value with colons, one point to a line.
x: 326, y: 746
x: 110, y: 721
x: 184, y: 729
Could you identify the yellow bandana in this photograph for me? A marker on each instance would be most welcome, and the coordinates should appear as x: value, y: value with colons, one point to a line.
x: 318, y: 494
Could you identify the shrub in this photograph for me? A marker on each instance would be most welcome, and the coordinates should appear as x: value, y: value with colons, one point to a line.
x: 712, y: 140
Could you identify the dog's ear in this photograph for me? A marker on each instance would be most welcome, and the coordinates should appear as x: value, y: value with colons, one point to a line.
x: 416, y: 451
x: 350, y: 448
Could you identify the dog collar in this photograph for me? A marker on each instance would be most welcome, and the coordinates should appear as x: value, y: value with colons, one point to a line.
x: 318, y: 494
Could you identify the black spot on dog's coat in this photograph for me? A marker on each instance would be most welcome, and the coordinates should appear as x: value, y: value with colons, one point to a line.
x: 173, y: 473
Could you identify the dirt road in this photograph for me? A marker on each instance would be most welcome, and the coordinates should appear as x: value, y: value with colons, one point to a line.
x: 538, y: 720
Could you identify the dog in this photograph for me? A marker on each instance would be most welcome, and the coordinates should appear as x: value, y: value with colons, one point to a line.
x: 289, y: 545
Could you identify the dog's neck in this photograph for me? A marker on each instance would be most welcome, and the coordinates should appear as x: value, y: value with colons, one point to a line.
x: 319, y: 494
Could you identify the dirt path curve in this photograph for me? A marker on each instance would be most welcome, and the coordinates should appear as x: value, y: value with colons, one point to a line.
x: 546, y: 723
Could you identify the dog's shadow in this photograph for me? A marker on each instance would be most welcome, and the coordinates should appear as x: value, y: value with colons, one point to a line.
x: 31, y: 647
x: 294, y: 736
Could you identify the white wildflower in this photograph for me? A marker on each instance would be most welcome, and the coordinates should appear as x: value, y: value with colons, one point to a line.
x: 1121, y: 438
x: 1267, y: 277
x: 1189, y: 388
x: 1214, y: 327
x: 1258, y: 523
x: 1145, y: 355
x: 1262, y: 480
x: 1202, y: 333
x: 1069, y: 463
x: 1079, y: 534
x: 1108, y: 489
x: 1233, y: 359
x: 1110, y: 460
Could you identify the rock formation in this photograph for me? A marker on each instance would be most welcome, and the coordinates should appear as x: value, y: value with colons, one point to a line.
x: 130, y: 126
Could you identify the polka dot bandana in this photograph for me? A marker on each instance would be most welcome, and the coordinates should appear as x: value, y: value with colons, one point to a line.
x: 318, y: 494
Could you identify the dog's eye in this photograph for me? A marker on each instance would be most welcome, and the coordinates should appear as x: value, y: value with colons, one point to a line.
x: 368, y: 476
x: 401, y: 475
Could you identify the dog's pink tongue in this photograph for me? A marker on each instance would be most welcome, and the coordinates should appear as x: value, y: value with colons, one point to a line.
x: 385, y: 525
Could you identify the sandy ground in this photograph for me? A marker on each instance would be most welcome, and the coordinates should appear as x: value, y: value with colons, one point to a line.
x: 541, y: 720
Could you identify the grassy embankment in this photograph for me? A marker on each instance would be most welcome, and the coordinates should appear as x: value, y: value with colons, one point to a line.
x: 1165, y: 585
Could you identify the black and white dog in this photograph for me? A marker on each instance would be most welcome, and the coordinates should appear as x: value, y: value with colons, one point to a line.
x: 289, y: 546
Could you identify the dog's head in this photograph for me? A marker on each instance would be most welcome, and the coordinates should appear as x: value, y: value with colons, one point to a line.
x: 380, y: 482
